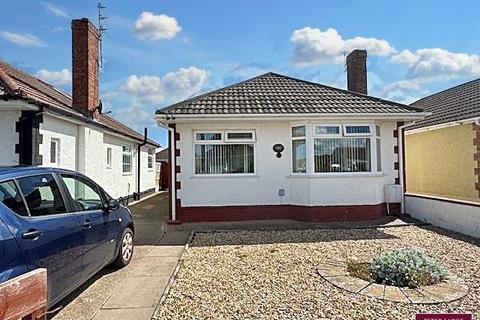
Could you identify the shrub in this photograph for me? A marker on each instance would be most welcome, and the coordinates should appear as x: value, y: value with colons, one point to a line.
x: 406, y: 268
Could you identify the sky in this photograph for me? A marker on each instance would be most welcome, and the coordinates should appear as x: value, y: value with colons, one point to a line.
x: 156, y: 53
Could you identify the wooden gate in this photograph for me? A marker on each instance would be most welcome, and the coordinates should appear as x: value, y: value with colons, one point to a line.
x: 165, y: 175
x: 24, y: 297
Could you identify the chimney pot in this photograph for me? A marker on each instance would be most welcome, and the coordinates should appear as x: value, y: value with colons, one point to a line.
x: 85, y: 67
x: 357, y: 71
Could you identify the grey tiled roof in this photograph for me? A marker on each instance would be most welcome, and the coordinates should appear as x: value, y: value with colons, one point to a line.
x: 454, y: 104
x: 15, y: 83
x: 273, y: 93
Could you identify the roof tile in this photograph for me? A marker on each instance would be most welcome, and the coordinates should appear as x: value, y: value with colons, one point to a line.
x: 454, y: 104
x: 273, y: 93
x: 28, y: 87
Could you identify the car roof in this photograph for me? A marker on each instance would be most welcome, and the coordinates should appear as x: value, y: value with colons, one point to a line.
x: 15, y: 171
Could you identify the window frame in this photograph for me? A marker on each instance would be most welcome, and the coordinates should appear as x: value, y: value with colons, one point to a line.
x: 305, y: 137
x: 109, y: 157
x: 130, y: 153
x: 239, y: 140
x: 310, y: 137
x: 327, y: 135
x: 55, y: 141
x: 150, y: 156
x: 223, y: 141
x: 369, y: 134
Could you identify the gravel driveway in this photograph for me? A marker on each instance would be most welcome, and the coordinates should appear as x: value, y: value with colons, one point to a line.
x: 272, y: 274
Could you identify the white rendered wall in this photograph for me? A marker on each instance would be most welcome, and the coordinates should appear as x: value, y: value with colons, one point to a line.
x: 8, y: 138
x: 67, y: 135
x: 83, y: 148
x: 272, y: 174
x: 117, y: 183
x: 452, y: 216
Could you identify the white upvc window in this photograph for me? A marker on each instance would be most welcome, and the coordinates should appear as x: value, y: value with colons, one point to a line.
x: 335, y: 148
x: 299, y: 149
x: 327, y: 130
x: 357, y: 130
x: 224, y: 152
x: 127, y: 159
x: 378, y: 148
x: 239, y: 136
x: 55, y: 151
x: 150, y: 155
x: 109, y: 158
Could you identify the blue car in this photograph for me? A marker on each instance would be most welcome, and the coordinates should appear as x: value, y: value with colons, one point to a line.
x: 62, y: 221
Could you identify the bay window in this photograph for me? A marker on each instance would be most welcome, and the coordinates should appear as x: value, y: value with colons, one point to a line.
x: 224, y: 152
x: 340, y: 148
x: 299, y: 149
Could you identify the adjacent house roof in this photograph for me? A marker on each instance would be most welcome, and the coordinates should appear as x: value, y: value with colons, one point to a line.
x: 16, y: 84
x: 162, y: 155
x: 272, y: 93
x: 458, y: 103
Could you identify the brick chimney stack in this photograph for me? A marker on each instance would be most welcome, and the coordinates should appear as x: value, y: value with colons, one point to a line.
x: 85, y: 67
x: 357, y: 71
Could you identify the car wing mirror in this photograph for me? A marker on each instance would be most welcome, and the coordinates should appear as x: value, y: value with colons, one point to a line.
x: 112, y: 205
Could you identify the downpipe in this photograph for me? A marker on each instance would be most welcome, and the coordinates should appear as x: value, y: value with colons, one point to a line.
x: 172, y: 169
x: 139, y: 162
x: 401, y: 150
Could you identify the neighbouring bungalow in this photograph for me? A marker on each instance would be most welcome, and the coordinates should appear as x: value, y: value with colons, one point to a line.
x: 275, y: 147
x: 42, y: 126
x: 443, y: 160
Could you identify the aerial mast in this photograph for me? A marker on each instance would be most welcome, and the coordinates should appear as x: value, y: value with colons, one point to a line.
x: 101, y: 29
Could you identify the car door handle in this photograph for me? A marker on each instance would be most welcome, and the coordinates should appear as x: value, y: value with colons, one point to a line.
x: 31, y: 234
x: 87, y: 224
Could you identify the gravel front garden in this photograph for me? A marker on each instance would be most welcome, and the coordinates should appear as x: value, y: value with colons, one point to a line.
x: 273, y: 274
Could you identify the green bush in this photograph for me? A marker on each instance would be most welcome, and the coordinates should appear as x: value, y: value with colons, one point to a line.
x: 406, y: 268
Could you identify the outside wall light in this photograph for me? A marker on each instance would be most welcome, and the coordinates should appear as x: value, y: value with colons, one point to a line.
x: 278, y: 148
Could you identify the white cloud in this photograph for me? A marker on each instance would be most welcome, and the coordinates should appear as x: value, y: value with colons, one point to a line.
x: 143, y: 117
x: 436, y: 62
x: 313, y: 46
x: 179, y: 84
x: 55, y: 10
x: 156, y: 27
x: 22, y: 39
x: 56, y: 78
x: 427, y: 66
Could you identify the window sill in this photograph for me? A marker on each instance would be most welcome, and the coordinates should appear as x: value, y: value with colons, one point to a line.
x: 338, y: 175
x: 126, y: 173
x: 223, y: 176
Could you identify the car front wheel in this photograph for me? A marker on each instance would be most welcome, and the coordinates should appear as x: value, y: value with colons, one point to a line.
x: 125, y: 252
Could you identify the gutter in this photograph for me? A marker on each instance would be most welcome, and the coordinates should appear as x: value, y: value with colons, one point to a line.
x: 172, y: 118
x: 139, y: 152
x: 172, y: 170
x: 444, y: 125
x: 401, y: 155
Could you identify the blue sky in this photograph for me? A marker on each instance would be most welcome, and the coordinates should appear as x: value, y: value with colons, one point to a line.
x: 160, y: 52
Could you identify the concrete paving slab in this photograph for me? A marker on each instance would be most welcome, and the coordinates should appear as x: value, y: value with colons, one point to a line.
x: 138, y: 292
x: 155, y: 266
x: 175, y: 238
x: 166, y: 251
x: 125, y: 314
